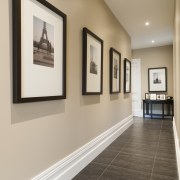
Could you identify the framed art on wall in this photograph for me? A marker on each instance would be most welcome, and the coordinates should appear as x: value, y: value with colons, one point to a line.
x: 147, y: 96
x: 115, y: 71
x: 162, y: 97
x: 92, y: 68
x: 127, y: 76
x: 157, y: 79
x: 153, y: 96
x: 39, y: 51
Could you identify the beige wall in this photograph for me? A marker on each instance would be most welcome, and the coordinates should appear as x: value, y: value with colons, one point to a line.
x: 34, y: 136
x: 155, y: 57
x: 176, y: 65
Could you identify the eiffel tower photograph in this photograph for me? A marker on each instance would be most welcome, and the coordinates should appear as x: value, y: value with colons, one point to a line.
x: 43, y: 43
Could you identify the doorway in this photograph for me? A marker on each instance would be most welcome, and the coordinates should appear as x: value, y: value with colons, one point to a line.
x: 136, y: 87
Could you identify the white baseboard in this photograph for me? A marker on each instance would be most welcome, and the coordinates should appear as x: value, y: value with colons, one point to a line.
x: 71, y: 165
x: 176, y: 146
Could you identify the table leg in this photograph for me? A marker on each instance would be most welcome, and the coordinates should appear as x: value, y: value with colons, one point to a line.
x: 143, y: 110
x: 163, y: 110
x: 151, y: 110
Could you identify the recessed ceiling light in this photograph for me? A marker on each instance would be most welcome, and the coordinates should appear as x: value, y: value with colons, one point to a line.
x: 153, y: 41
x: 147, y: 23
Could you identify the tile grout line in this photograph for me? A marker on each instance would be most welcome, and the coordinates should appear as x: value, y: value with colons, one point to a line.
x: 156, y: 151
x: 111, y: 161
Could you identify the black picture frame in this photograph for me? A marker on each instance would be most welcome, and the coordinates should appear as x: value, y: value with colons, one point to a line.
x: 115, y: 71
x: 127, y: 76
x: 21, y: 83
x: 157, y: 79
x: 92, y: 63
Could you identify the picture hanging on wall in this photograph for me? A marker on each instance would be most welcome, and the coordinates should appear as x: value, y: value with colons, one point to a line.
x: 115, y: 71
x: 157, y: 79
x: 39, y: 51
x: 127, y: 76
x: 147, y: 96
x: 92, y: 68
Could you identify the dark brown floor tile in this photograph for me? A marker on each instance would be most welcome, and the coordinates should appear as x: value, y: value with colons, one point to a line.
x: 116, y: 146
x: 166, y: 145
x: 105, y: 157
x: 90, y: 172
x: 166, y: 140
x: 118, y: 173
x: 134, y: 162
x: 143, y: 151
x: 166, y: 153
x: 159, y: 177
x: 165, y: 168
x: 142, y: 141
x: 167, y: 136
x: 152, y: 145
x: 131, y: 155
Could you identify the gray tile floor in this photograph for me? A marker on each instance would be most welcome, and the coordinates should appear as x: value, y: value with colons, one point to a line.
x: 145, y: 151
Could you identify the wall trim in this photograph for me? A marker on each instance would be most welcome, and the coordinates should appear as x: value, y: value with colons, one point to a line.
x: 71, y: 165
x: 176, y: 139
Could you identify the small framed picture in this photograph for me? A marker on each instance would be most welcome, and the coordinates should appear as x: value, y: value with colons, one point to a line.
x: 147, y: 96
x: 115, y: 71
x: 127, y: 76
x: 152, y: 96
x: 157, y: 79
x: 162, y: 97
x: 92, y: 77
x: 158, y: 97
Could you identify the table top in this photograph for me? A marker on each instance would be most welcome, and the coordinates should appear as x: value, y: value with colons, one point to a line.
x: 158, y: 101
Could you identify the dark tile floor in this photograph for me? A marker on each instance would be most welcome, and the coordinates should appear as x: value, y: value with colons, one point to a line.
x: 145, y: 151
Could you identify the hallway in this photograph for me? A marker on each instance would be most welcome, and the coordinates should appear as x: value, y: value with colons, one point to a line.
x: 145, y: 151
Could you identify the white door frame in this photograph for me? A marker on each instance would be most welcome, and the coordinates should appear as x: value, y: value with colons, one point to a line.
x: 136, y: 87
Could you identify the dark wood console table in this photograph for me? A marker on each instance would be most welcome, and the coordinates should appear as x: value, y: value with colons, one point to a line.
x: 148, y: 109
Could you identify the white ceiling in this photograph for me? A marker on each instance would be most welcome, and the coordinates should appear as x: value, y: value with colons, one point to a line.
x: 132, y: 14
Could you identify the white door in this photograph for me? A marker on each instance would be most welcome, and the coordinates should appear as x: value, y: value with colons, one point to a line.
x: 136, y: 87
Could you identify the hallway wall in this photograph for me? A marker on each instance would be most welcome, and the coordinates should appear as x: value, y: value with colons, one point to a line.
x: 176, y: 65
x: 155, y: 57
x: 34, y: 136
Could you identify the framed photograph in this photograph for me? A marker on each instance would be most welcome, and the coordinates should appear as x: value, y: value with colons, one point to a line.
x: 147, y: 96
x: 127, y: 76
x: 152, y: 96
x: 157, y: 79
x: 115, y: 71
x: 92, y: 69
x: 39, y: 51
x: 158, y: 97
x: 162, y: 97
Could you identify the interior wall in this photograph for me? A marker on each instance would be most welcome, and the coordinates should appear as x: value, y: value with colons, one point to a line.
x: 34, y: 136
x: 176, y: 65
x: 155, y: 57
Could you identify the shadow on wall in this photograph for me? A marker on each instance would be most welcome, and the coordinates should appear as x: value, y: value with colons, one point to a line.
x: 127, y: 95
x: 114, y: 97
x: 89, y: 100
x: 29, y: 111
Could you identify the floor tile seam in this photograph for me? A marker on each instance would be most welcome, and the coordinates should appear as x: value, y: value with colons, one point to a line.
x: 164, y: 175
x: 109, y: 164
x: 134, y: 170
x: 143, y: 156
x: 156, y: 150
